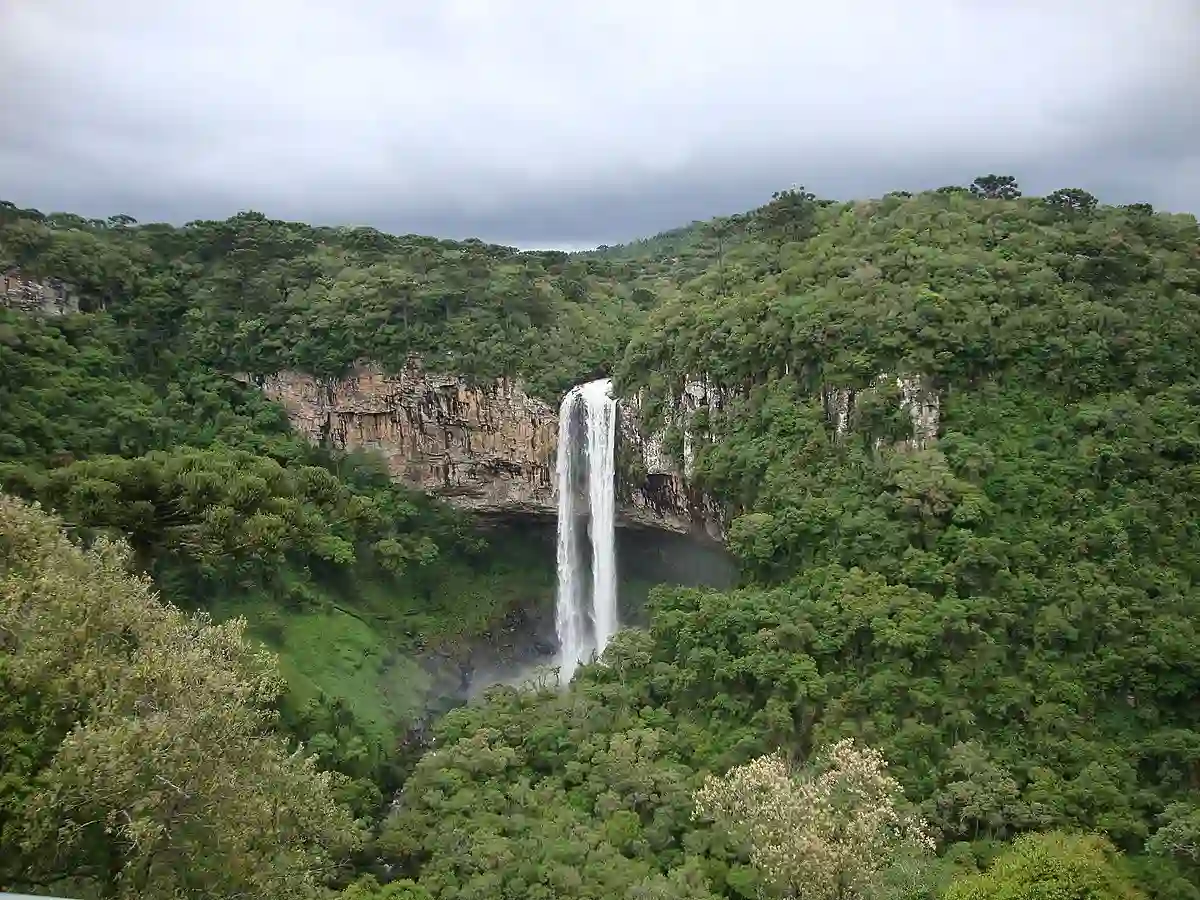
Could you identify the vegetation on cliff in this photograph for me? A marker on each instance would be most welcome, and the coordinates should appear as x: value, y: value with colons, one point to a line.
x: 258, y: 295
x: 1006, y: 615
x: 1018, y: 599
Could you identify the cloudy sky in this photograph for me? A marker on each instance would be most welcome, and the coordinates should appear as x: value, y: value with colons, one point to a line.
x: 576, y: 122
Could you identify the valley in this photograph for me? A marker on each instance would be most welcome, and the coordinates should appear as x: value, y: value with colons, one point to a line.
x: 898, y: 492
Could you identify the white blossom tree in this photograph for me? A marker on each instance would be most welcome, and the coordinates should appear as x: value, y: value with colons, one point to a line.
x: 823, y: 836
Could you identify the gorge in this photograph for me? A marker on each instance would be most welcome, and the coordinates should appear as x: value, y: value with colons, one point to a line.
x: 510, y: 459
x: 953, y: 441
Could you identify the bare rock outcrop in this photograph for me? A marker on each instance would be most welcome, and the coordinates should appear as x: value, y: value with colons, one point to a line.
x: 917, y: 399
x: 47, y: 297
x: 486, y: 447
x: 490, y: 447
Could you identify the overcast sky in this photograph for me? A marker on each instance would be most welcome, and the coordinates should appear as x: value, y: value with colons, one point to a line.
x: 578, y: 122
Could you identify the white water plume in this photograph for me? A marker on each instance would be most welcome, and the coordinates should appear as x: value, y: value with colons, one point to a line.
x: 587, y: 430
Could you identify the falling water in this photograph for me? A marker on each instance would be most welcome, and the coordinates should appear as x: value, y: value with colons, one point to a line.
x: 601, y: 456
x: 584, y: 628
x: 569, y: 614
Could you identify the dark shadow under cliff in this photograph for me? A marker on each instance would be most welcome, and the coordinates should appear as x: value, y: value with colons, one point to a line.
x: 645, y: 557
x: 367, y: 648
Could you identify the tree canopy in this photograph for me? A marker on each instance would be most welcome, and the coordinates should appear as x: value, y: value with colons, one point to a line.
x: 953, y: 435
x: 139, y: 753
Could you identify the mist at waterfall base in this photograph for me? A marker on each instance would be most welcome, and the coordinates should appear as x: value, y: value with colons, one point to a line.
x: 646, y: 558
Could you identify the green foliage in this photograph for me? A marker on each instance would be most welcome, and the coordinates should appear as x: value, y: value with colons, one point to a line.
x: 150, y: 769
x: 830, y: 834
x: 1002, y: 598
x: 125, y: 420
x: 235, y: 519
x: 258, y: 295
x: 1053, y: 866
x: 1009, y: 613
x: 1007, y: 608
x: 996, y: 187
x: 540, y: 794
x: 367, y: 888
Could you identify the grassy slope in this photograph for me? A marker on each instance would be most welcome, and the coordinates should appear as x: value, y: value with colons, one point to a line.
x: 364, y: 642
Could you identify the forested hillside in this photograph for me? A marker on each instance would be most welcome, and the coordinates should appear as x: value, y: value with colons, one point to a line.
x: 124, y: 419
x: 1008, y: 615
x: 1005, y: 615
x: 259, y: 295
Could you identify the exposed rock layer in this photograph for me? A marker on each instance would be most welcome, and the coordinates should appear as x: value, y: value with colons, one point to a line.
x: 486, y: 447
x: 490, y: 447
x: 48, y: 297
x: 483, y: 447
x: 917, y: 398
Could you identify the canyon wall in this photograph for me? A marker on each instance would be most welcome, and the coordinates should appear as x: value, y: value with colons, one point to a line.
x: 921, y: 402
x: 490, y: 447
x: 47, y: 297
x: 486, y: 447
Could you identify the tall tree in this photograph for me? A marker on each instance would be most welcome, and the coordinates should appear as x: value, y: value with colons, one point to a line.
x: 996, y: 187
x: 788, y: 218
x: 1053, y: 866
x: 149, y: 768
x: 1072, y: 201
x: 826, y: 835
x: 720, y: 230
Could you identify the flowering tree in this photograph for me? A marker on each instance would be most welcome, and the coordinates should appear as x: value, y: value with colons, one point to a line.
x: 826, y: 836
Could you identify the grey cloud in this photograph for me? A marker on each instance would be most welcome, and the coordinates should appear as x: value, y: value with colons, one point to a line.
x: 538, y: 122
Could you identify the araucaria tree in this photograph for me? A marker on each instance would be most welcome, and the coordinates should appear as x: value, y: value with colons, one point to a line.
x: 823, y: 836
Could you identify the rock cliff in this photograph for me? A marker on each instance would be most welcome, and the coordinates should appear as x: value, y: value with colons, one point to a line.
x: 917, y: 399
x: 47, y: 297
x: 488, y: 447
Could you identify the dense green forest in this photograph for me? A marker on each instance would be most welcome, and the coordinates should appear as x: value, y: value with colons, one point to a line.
x: 962, y: 668
x: 124, y: 419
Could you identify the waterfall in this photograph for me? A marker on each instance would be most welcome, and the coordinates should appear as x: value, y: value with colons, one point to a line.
x: 602, y: 503
x: 587, y: 432
x: 569, y: 616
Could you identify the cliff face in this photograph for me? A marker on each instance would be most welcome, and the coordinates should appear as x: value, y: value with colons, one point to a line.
x: 489, y: 448
x: 921, y: 403
x: 47, y: 297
